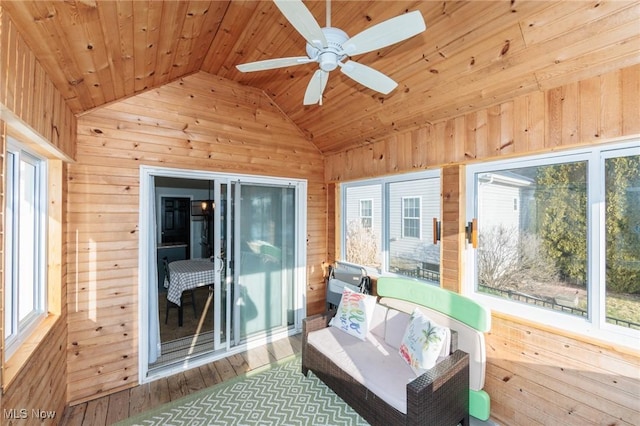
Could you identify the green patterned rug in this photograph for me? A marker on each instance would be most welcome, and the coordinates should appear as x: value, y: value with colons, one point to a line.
x: 274, y: 395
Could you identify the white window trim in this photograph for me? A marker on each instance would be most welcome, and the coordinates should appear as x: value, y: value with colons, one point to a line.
x: 35, y: 318
x: 384, y: 237
x: 370, y: 200
x: 597, y: 328
x: 419, y: 218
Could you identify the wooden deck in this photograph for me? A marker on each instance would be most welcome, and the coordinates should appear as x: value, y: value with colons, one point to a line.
x: 124, y: 404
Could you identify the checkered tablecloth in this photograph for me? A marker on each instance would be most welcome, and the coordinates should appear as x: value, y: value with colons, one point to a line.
x: 188, y: 274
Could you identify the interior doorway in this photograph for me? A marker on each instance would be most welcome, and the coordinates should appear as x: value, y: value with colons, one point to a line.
x: 253, y: 239
x: 175, y: 220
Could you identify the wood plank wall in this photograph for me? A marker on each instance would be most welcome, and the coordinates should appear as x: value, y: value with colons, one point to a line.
x: 28, y: 98
x: 34, y: 112
x: 535, y: 375
x: 586, y: 112
x: 200, y: 122
x: 538, y: 375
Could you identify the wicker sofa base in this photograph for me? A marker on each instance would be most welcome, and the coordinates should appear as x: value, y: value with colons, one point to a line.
x: 438, y: 397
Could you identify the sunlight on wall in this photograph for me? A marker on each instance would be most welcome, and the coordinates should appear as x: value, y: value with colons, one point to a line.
x: 93, y: 291
x: 77, y: 270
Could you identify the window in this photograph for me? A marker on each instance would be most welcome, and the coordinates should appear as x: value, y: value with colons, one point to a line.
x: 363, y: 243
x: 25, y: 274
x: 399, y: 240
x: 411, y: 217
x: 568, y: 254
x: 366, y: 213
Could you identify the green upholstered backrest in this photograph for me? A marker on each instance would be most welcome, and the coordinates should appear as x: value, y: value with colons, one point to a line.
x: 449, y: 303
x: 456, y: 306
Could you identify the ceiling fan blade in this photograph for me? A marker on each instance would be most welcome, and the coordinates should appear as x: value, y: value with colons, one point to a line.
x: 269, y: 64
x: 368, y: 77
x: 385, y: 33
x: 303, y: 21
x: 315, y: 88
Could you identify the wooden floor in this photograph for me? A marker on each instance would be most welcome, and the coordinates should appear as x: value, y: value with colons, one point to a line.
x: 121, y: 405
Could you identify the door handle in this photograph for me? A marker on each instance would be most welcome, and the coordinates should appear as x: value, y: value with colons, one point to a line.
x: 218, y: 264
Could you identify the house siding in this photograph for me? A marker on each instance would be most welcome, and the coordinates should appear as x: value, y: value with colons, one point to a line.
x: 498, y: 208
x: 419, y: 249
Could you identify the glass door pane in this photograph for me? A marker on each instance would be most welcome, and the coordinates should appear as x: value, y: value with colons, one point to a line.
x: 223, y: 263
x: 264, y: 293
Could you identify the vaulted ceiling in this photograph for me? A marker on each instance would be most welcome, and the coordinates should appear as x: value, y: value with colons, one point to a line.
x: 473, y: 54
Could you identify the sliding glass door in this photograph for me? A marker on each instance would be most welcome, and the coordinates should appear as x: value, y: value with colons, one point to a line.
x: 265, y: 246
x: 253, y: 231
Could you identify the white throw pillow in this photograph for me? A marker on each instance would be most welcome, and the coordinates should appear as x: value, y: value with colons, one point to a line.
x: 354, y: 313
x: 423, y: 342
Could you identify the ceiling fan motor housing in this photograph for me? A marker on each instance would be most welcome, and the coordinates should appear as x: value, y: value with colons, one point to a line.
x: 328, y: 57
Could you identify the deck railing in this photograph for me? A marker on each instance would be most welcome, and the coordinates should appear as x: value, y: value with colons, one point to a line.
x: 424, y: 271
x: 550, y: 303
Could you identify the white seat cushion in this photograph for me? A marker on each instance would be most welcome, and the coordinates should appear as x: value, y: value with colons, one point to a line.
x: 470, y: 340
x: 371, y: 362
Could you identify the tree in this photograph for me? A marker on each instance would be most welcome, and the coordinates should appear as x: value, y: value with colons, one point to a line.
x: 561, y: 200
x: 509, y: 259
x: 362, y: 245
x: 622, y: 199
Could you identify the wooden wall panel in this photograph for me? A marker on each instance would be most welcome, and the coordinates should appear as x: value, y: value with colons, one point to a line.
x: 41, y: 383
x: 588, y: 112
x: 452, y: 228
x: 333, y: 218
x: 199, y: 122
x: 33, y: 111
x: 535, y: 375
x: 28, y: 99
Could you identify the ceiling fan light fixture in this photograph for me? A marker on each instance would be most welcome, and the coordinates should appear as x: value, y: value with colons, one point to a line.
x: 328, y: 61
x: 328, y: 57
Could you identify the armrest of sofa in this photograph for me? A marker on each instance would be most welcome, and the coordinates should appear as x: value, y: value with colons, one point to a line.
x: 316, y: 322
x: 313, y: 323
x: 444, y: 389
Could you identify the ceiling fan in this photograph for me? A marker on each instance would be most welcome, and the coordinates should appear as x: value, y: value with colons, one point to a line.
x: 330, y: 47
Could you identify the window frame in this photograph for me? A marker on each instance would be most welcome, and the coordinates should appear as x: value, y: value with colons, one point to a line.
x: 362, y: 217
x: 418, y: 218
x: 20, y: 330
x: 384, y: 183
x: 594, y: 325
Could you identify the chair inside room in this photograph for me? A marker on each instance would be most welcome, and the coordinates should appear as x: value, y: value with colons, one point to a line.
x: 170, y: 304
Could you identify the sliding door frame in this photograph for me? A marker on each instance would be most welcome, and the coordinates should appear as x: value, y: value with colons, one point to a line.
x: 145, y: 251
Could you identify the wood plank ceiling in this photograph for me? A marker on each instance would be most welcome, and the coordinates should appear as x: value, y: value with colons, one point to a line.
x: 473, y: 54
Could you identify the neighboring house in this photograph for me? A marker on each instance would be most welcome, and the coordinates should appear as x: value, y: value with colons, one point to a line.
x: 411, y: 207
x: 505, y: 194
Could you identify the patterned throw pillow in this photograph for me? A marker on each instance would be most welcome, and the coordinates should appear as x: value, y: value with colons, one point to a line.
x: 422, y: 342
x: 354, y: 313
